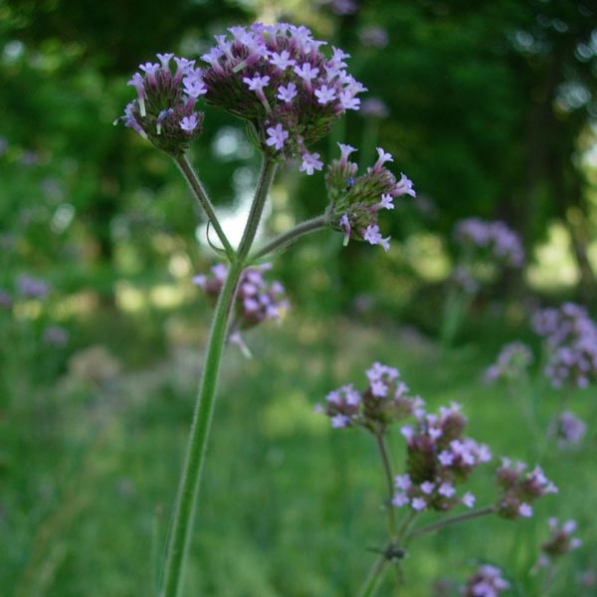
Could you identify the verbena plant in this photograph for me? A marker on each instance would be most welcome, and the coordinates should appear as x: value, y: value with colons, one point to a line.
x: 290, y: 89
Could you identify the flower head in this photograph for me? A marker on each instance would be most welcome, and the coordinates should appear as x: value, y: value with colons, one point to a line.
x: 511, y: 364
x: 520, y: 488
x: 355, y: 201
x: 164, y: 110
x: 277, y: 76
x: 493, y: 239
x: 384, y: 401
x: 571, y: 344
x: 560, y: 541
x: 486, y: 582
x: 439, y: 457
x: 256, y: 300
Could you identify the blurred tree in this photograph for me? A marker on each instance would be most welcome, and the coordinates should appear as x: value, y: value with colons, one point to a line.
x: 64, y: 73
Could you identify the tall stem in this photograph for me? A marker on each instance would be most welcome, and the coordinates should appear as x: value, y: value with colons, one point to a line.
x: 200, y: 194
x: 184, y: 512
x: 182, y: 523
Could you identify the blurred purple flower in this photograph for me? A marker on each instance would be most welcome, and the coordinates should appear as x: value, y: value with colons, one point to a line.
x: 571, y: 344
x: 5, y: 299
x: 55, y: 335
x: 31, y: 287
x: 29, y: 158
x: 486, y: 582
x: 560, y: 541
x: 341, y: 7
x: 462, y: 278
x: 256, y: 299
x: 568, y: 429
x: 494, y: 238
x: 520, y: 488
x: 374, y: 107
x: 374, y: 36
x: 511, y: 364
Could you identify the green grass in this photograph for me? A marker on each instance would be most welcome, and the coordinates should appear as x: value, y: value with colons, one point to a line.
x: 288, y: 506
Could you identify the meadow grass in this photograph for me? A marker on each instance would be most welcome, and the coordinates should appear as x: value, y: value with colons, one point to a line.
x: 289, y: 506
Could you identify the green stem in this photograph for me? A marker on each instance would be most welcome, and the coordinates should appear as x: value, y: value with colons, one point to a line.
x: 266, y: 178
x: 182, y: 523
x: 440, y: 524
x: 288, y: 237
x: 200, y: 194
x: 374, y: 577
x: 387, y: 467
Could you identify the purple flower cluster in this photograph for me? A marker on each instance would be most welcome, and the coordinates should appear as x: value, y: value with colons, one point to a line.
x: 560, y: 541
x: 486, y: 582
x: 568, y: 429
x: 164, y: 111
x: 355, y: 203
x: 5, y: 299
x: 438, y: 458
x: 462, y: 279
x: 31, y: 287
x: 520, y: 488
x: 256, y: 299
x: 277, y: 78
x: 492, y: 238
x: 511, y: 364
x: 384, y: 401
x: 571, y: 338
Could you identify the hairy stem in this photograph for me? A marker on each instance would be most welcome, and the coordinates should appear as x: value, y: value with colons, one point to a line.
x: 180, y: 530
x: 184, y: 511
x: 288, y: 237
x: 200, y: 194
x: 266, y: 178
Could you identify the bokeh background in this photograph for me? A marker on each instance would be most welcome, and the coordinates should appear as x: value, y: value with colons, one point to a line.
x: 489, y: 108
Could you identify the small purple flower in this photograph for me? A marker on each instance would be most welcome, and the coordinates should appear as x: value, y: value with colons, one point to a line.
x: 310, y: 163
x: 276, y: 136
x: 287, y: 93
x: 486, y: 582
x: 189, y: 123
